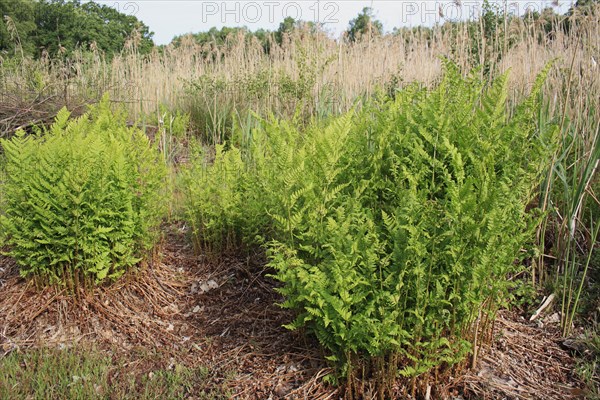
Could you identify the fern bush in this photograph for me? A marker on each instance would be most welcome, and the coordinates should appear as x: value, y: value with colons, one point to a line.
x: 213, y: 200
x: 83, y: 199
x: 232, y: 195
x: 394, y: 229
x: 407, y: 221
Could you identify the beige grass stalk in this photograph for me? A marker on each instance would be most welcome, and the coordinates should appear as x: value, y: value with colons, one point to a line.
x: 352, y: 69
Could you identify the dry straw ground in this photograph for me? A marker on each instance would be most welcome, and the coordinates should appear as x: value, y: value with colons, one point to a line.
x: 171, y: 313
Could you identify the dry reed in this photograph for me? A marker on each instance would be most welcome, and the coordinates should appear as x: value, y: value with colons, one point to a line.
x: 350, y: 70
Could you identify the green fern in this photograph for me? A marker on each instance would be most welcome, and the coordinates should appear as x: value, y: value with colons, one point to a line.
x: 83, y: 199
x: 393, y: 229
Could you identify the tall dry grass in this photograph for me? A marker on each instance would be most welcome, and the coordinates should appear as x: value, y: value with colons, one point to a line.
x: 351, y: 70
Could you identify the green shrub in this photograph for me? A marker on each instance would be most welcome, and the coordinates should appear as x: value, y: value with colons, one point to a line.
x: 403, y: 225
x: 395, y: 229
x: 232, y: 196
x: 213, y: 202
x: 83, y: 199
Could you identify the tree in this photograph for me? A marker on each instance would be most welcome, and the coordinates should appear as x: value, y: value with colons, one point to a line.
x: 364, y: 26
x: 214, y: 35
x: 114, y: 28
x: 68, y: 24
x: 16, y: 24
x: 220, y: 37
x: 548, y: 20
x: 583, y: 7
x: 286, y: 27
x: 63, y: 25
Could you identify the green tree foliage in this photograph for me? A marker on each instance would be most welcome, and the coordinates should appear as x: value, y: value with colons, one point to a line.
x: 71, y: 23
x: 63, y: 25
x: 214, y: 35
x: 222, y: 38
x: 286, y: 27
x: 393, y: 230
x: 548, y: 20
x: 219, y: 37
x: 290, y: 25
x: 17, y: 24
x: 364, y: 26
x: 82, y: 200
x: 583, y: 7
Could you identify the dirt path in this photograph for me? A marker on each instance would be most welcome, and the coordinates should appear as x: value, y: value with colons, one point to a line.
x: 223, y: 316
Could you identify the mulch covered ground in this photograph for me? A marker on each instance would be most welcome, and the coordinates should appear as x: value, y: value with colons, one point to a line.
x: 223, y: 316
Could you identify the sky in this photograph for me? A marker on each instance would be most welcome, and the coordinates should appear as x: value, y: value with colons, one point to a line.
x: 169, y: 18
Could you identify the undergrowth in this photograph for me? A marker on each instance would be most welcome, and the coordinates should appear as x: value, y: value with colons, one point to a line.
x: 82, y: 199
x: 588, y: 363
x: 77, y: 373
x: 394, y: 229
